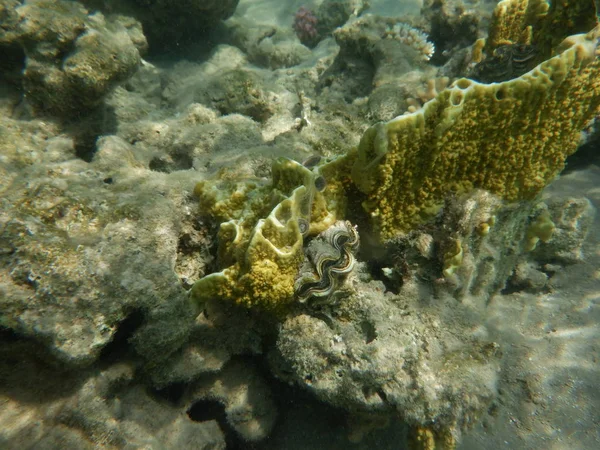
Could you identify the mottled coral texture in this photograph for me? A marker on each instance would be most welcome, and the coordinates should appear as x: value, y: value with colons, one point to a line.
x: 509, y: 138
x: 305, y: 25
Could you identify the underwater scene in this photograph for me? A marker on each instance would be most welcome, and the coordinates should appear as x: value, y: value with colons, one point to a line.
x: 290, y: 225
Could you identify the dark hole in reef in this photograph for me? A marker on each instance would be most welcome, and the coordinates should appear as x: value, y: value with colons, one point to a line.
x: 85, y: 148
x: 382, y: 395
x: 513, y: 286
x: 118, y: 347
x: 205, y: 410
x: 172, y: 393
x: 86, y: 126
x: 159, y: 164
x: 12, y: 64
x: 392, y: 285
x: 7, y: 335
x: 108, y: 180
x: 368, y: 330
x: 586, y: 155
x: 30, y: 374
x: 171, y: 163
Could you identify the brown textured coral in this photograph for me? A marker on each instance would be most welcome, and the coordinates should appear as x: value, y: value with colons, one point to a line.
x: 509, y: 138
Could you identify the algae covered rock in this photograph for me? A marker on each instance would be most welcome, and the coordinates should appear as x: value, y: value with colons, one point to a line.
x: 81, y: 254
x: 72, y: 58
x: 384, y: 354
x: 106, y: 408
x: 245, y: 396
x: 267, y: 45
x: 169, y: 24
x: 375, y: 50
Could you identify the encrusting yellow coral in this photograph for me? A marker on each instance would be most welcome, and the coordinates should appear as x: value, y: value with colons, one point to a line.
x: 509, y: 138
x: 512, y: 22
x: 261, y: 257
x: 264, y: 266
x: 539, y: 22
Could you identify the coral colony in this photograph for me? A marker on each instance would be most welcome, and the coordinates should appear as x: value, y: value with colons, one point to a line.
x: 305, y: 25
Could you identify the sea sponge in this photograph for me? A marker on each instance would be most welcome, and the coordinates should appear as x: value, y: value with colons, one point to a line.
x: 509, y: 138
x: 541, y: 229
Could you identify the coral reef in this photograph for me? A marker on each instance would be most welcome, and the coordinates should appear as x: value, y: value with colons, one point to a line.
x: 538, y: 22
x: 261, y: 257
x: 375, y: 51
x: 139, y: 311
x: 332, y: 14
x: 312, y: 26
x: 54, y: 277
x: 567, y: 223
x: 267, y: 45
x: 431, y: 89
x: 246, y: 398
x: 376, y: 354
x: 107, y: 408
x: 454, y: 25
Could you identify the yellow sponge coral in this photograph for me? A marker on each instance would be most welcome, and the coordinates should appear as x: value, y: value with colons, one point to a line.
x: 264, y: 267
x: 539, y: 22
x: 259, y: 257
x: 513, y: 20
x: 509, y: 138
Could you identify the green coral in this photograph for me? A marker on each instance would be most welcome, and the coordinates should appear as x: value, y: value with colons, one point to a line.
x: 509, y: 138
x: 265, y: 265
x: 453, y: 258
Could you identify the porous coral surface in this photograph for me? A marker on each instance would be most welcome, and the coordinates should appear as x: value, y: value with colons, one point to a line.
x: 510, y: 138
